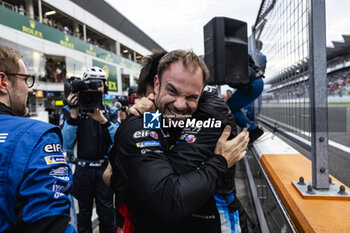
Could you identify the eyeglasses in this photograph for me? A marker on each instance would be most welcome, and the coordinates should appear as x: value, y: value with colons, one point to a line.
x: 29, y: 79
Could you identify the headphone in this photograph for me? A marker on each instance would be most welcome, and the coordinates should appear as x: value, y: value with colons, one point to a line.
x: 5, y: 85
x: 2, y: 82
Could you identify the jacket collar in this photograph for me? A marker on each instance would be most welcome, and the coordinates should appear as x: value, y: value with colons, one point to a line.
x: 6, y: 110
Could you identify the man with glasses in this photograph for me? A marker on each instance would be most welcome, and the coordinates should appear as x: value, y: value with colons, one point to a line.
x: 35, y: 179
x: 29, y: 80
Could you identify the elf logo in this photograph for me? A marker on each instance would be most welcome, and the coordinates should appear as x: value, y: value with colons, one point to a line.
x: 52, y: 148
x: 145, y: 134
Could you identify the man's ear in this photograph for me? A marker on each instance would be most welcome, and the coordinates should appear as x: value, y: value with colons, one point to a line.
x: 3, y: 80
x: 156, y: 85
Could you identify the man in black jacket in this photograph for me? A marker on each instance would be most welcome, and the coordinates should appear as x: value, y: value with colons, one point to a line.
x: 222, y: 211
x: 148, y: 187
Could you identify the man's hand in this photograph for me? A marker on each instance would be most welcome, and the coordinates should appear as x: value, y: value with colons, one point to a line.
x: 234, y: 149
x: 145, y: 104
x: 98, y: 116
x: 72, y: 101
x: 123, y: 113
x: 107, y: 174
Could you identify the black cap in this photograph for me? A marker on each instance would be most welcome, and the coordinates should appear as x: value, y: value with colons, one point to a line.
x: 132, y: 89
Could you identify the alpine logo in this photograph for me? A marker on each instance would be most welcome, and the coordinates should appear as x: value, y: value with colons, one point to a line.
x: 3, y: 137
x: 154, y: 135
x: 61, y: 171
x: 190, y: 138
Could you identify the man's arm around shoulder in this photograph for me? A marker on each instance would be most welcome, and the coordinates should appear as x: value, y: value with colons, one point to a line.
x: 140, y: 158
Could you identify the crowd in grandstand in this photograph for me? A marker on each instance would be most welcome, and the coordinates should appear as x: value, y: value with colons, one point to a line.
x: 339, y: 83
x: 338, y: 61
x: 59, y: 26
x: 54, y: 71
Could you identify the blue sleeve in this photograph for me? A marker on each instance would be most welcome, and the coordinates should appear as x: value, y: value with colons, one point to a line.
x: 43, y: 194
x: 112, y: 128
x: 69, y: 133
x: 69, y: 129
x: 263, y: 61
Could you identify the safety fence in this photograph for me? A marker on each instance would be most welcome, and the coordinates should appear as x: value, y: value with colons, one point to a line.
x: 283, y: 27
x: 294, y: 101
x: 295, y: 97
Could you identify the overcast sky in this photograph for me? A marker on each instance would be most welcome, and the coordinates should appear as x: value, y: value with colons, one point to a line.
x: 175, y: 24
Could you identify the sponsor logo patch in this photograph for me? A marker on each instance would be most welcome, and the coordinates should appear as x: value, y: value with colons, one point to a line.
x: 154, y: 135
x: 148, y: 144
x: 141, y: 134
x: 61, y: 171
x: 190, y: 138
x: 145, y: 134
x: 54, y: 159
x: 59, y: 189
x: 144, y: 151
x: 52, y: 148
x: 3, y: 137
x: 65, y: 178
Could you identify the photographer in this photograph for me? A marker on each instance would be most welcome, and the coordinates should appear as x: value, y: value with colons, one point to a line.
x: 92, y: 125
x: 123, y: 106
x: 132, y: 95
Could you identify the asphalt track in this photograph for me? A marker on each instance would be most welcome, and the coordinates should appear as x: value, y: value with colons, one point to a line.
x: 338, y: 131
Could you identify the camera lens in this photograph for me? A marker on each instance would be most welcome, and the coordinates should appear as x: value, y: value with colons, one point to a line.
x: 90, y: 100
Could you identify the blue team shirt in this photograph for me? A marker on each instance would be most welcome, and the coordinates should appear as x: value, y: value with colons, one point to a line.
x: 33, y: 172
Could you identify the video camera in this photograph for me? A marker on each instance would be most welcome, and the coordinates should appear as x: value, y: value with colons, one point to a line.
x: 86, y: 90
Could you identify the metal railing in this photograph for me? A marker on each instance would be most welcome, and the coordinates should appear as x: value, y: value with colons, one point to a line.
x: 295, y: 96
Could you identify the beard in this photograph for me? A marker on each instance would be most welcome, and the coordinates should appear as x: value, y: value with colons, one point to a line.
x: 20, y: 107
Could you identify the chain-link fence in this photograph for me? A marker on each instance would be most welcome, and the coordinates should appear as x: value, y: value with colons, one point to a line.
x: 295, y: 96
x: 284, y: 33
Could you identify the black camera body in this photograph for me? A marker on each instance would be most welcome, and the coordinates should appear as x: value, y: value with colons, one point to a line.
x: 86, y: 90
x: 89, y: 100
x: 123, y: 108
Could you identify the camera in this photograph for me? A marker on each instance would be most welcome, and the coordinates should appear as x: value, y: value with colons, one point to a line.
x: 120, y: 106
x: 123, y: 108
x: 86, y: 90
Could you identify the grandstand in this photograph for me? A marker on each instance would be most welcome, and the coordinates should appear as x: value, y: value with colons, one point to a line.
x: 60, y: 39
x: 338, y: 76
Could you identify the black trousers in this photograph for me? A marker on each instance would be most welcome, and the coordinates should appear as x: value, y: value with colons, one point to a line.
x: 89, y: 185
